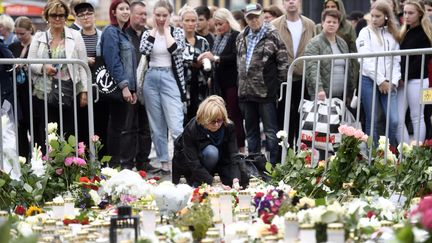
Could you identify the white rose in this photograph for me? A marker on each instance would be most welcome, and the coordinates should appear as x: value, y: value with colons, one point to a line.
x: 52, y: 127
x: 95, y: 197
x: 22, y: 160
x: 281, y: 134
x: 24, y: 229
x: 52, y: 137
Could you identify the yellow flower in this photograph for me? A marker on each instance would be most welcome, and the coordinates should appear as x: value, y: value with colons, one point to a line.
x: 322, y: 163
x: 292, y: 193
x: 33, y: 210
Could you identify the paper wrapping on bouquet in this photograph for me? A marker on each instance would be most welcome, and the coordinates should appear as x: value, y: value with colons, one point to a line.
x: 106, y: 85
x: 322, y: 119
x: 10, y: 163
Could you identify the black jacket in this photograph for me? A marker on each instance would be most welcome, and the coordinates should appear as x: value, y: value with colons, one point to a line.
x: 225, y: 73
x: 415, y: 38
x: 187, y: 156
x: 5, y: 76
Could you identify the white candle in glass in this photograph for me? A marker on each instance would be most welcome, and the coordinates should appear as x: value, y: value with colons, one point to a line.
x: 291, y: 227
x: 148, y: 219
x: 58, y: 210
x: 245, y: 199
x: 215, y: 205
x: 307, y: 233
x: 335, y: 233
x: 226, y: 213
x: 69, y: 205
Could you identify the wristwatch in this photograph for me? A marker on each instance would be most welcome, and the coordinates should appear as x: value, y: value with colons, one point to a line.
x: 216, y: 58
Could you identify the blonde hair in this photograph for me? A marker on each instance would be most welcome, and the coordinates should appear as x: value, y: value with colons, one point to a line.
x: 225, y: 15
x: 212, y: 108
x: 54, y: 5
x: 382, y: 6
x: 424, y: 21
x: 25, y: 23
x: 187, y: 9
x: 7, y: 22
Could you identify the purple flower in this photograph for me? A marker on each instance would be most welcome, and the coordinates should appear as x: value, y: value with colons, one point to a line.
x: 59, y: 171
x: 81, y: 148
x: 80, y: 161
x: 69, y: 161
x: 127, y: 198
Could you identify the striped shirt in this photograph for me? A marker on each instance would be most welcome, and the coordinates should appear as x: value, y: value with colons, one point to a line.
x: 90, y: 42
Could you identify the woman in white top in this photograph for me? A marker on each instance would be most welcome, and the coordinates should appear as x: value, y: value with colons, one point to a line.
x: 164, y: 85
x: 380, y: 35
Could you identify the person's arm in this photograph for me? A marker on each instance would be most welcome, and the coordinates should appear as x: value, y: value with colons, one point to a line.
x: 111, y: 56
x: 281, y: 58
x: 177, y: 43
x: 191, y: 153
x: 33, y: 53
x: 229, y: 58
x: 364, y: 45
x: 147, y: 42
x: 312, y: 49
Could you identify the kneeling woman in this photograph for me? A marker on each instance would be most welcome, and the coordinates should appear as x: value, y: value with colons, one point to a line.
x: 207, y: 145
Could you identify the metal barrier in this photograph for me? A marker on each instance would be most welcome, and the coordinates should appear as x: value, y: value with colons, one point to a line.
x: 346, y: 57
x: 76, y: 63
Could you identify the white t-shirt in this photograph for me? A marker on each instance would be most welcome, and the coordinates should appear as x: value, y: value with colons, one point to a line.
x: 296, y: 31
x: 160, y: 57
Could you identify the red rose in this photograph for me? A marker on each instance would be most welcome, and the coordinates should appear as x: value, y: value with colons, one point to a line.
x: 259, y: 194
x: 370, y: 214
x: 273, y: 229
x: 85, y: 180
x: 143, y: 174
x: 267, y: 217
x: 303, y: 146
x: 20, y: 210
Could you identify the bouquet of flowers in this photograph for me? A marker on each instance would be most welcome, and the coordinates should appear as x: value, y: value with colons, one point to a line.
x: 267, y: 204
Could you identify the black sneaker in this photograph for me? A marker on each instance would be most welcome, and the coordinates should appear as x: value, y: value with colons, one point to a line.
x: 151, y: 169
x: 165, y: 172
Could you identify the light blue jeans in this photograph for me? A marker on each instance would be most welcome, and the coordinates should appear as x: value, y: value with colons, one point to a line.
x: 210, y: 157
x: 164, y: 108
x: 367, y: 85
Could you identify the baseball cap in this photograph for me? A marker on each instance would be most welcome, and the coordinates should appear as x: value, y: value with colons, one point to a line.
x: 255, y: 9
x: 80, y: 7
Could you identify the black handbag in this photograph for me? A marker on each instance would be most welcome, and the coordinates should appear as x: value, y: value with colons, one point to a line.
x: 66, y: 93
x: 106, y: 85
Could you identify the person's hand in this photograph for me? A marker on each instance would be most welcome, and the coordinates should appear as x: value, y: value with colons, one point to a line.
x: 206, y: 54
x: 321, y: 95
x: 401, y: 83
x: 166, y: 26
x: 83, y: 99
x: 134, y: 98
x: 385, y: 87
x: 50, y: 69
x: 91, y: 61
x: 127, y: 95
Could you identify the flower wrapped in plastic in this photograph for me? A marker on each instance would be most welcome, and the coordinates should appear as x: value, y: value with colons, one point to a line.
x: 171, y: 198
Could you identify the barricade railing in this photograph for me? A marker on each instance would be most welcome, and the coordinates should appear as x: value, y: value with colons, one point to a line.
x: 76, y: 63
x: 346, y: 57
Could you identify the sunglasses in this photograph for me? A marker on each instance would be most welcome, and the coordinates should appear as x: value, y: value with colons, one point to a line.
x: 55, y: 16
x: 217, y: 122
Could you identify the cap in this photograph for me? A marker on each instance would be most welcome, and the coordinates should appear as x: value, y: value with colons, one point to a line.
x: 355, y: 15
x: 80, y: 7
x: 255, y: 9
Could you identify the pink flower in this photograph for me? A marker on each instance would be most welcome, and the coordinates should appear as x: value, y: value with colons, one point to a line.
x: 427, y: 219
x: 69, y: 161
x: 59, y: 171
x: 365, y: 138
x: 342, y: 129
x: 79, y: 161
x: 95, y: 138
x: 81, y: 148
x: 127, y: 198
x: 358, y: 134
x: 350, y: 131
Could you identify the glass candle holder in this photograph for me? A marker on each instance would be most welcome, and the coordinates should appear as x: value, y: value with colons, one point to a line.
x: 69, y: 206
x: 245, y: 199
x: 215, y: 205
x: 58, y: 210
x: 148, y: 219
x: 3, y: 217
x: 335, y: 233
x: 307, y: 233
x: 226, y: 213
x: 291, y: 227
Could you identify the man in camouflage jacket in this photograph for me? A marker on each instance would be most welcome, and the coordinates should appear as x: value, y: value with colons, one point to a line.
x: 262, y: 66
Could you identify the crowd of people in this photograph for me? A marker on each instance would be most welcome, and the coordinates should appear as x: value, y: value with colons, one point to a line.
x: 213, y: 76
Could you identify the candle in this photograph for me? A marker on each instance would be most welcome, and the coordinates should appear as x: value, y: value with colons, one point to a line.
x: 335, y: 233
x: 215, y: 205
x: 291, y: 227
x: 226, y: 213
x: 307, y: 233
x: 148, y: 219
x: 244, y: 199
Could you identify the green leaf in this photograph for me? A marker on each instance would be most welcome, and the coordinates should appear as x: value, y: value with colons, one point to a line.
x: 28, y: 188
x: 55, y: 144
x: 320, y: 201
x: 269, y: 167
x: 71, y: 141
x: 2, y: 182
x: 67, y: 149
x: 105, y: 159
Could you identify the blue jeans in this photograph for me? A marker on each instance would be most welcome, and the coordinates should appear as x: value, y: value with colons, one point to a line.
x: 164, y: 108
x: 210, y: 157
x: 381, y: 99
x: 252, y: 113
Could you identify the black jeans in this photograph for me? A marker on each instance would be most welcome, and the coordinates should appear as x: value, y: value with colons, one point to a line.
x: 122, y: 129
x: 143, y: 137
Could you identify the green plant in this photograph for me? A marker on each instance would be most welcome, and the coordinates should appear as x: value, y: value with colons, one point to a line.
x: 198, y: 218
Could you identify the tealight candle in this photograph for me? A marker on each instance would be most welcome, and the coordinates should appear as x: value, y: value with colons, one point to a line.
x: 291, y: 227
x: 307, y: 233
x: 226, y: 213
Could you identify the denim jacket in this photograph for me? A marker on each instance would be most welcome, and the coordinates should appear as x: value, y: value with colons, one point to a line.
x: 119, y: 57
